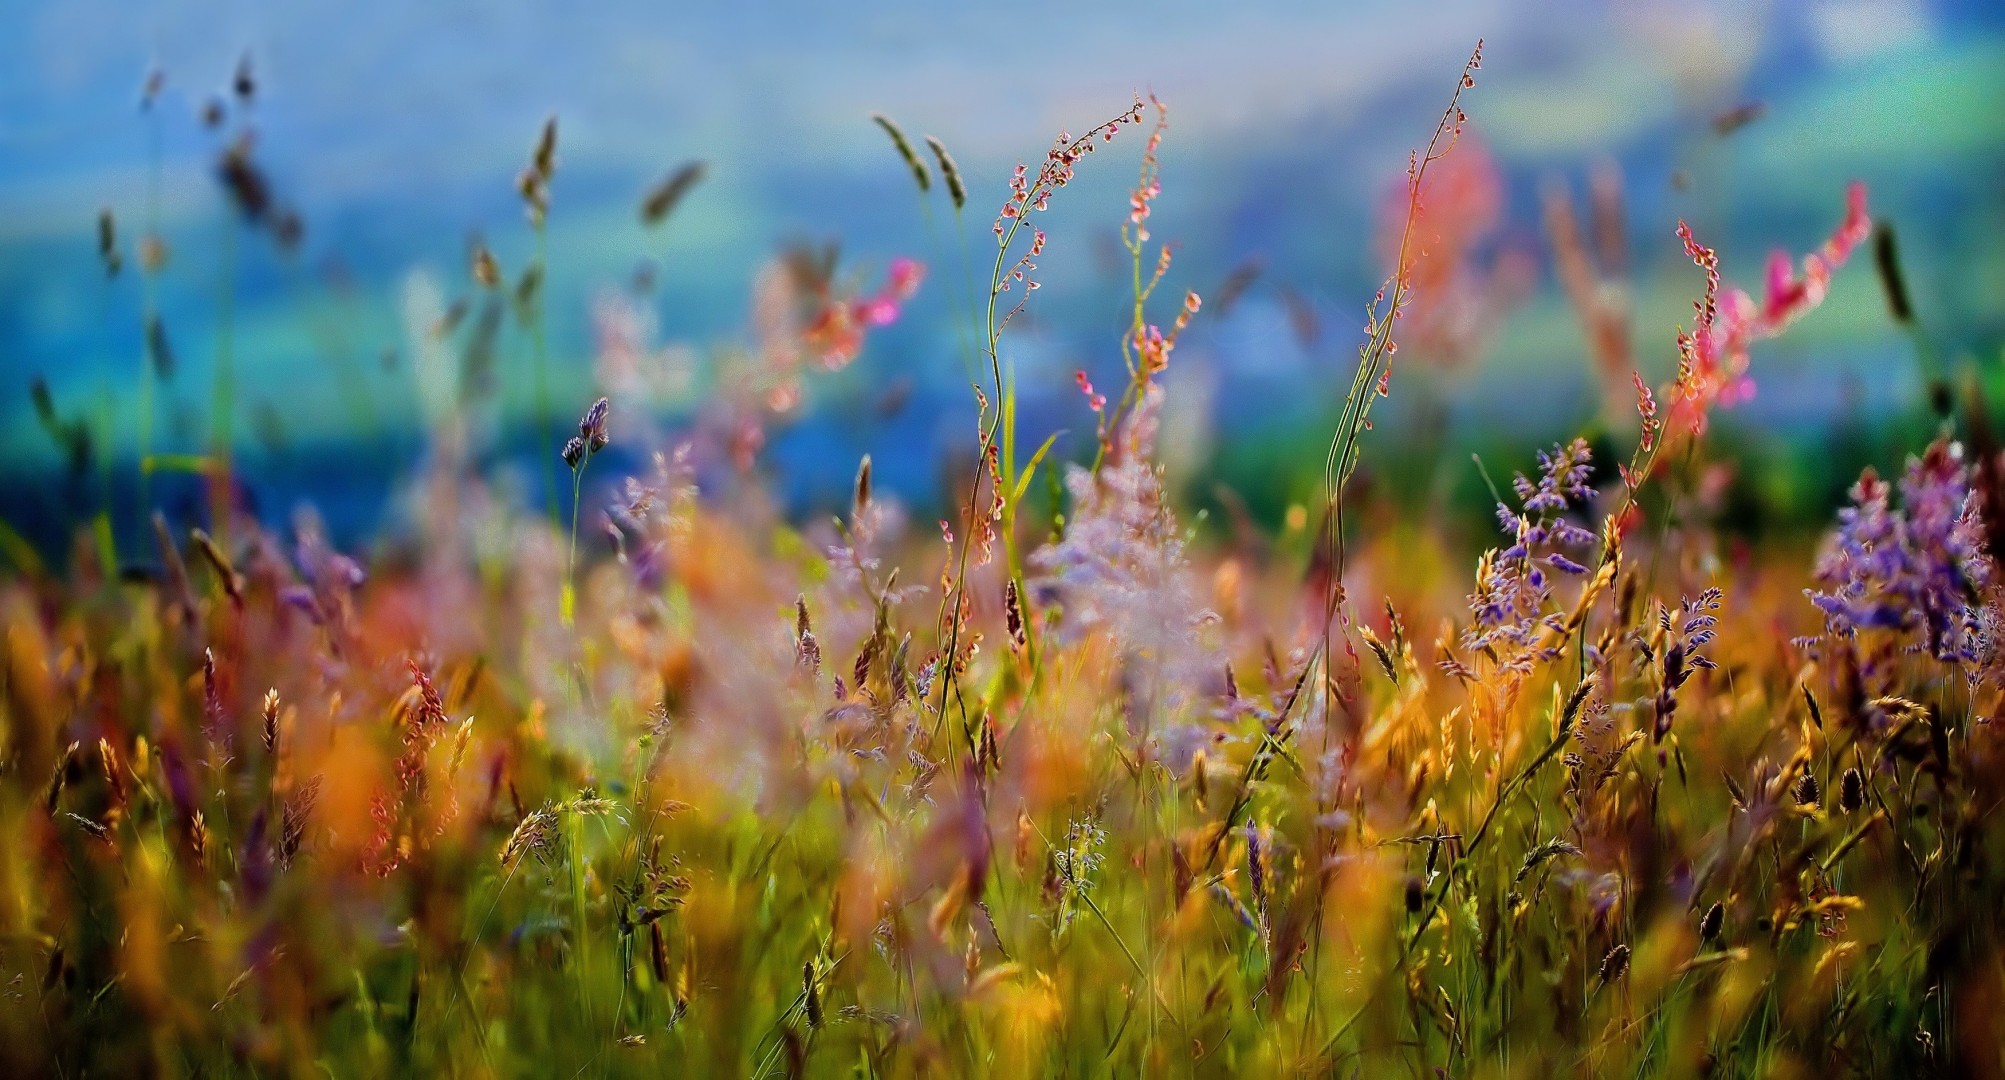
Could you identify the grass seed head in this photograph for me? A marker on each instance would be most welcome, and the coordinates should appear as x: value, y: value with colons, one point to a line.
x: 950, y: 173
x: 905, y: 152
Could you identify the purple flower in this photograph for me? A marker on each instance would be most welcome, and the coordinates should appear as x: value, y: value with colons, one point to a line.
x: 1917, y: 571
x: 1120, y: 572
x: 1512, y: 587
x: 328, y: 578
x: 593, y: 427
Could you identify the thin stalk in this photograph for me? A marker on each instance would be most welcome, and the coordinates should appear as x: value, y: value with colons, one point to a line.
x: 568, y: 599
x: 149, y: 313
x: 1045, y: 182
x: 539, y: 344
x: 222, y: 404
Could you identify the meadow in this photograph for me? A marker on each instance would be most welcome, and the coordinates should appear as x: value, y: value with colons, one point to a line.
x: 633, y: 775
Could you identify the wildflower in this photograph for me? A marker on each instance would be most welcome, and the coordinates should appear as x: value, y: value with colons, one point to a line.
x: 1512, y: 587
x: 1646, y: 412
x: 1459, y: 292
x: 329, y: 578
x: 1094, y: 400
x: 1713, y: 362
x: 1691, y: 629
x: 1077, y: 858
x: 835, y: 333
x: 592, y: 428
x: 1914, y: 571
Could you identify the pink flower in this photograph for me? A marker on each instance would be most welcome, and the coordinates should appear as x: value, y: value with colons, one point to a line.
x: 906, y: 274
x: 877, y: 311
x: 1713, y: 368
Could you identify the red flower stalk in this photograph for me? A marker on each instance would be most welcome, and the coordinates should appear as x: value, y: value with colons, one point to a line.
x: 1713, y: 357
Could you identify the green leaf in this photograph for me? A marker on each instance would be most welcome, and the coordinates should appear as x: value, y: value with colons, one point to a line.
x: 1023, y: 482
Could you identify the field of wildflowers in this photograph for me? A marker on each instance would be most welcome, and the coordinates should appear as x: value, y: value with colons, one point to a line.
x: 640, y: 776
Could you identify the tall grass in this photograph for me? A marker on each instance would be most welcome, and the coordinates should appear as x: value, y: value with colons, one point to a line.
x: 1099, y: 794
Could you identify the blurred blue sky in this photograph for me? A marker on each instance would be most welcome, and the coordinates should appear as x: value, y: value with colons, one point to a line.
x: 397, y: 129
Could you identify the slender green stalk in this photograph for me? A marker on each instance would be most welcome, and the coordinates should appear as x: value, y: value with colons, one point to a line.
x: 568, y: 601
x: 540, y: 358
x: 222, y: 402
x: 993, y: 420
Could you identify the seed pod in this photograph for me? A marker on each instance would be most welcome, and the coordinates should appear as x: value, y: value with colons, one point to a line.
x: 1805, y: 790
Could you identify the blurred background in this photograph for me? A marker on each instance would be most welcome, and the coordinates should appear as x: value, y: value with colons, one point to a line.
x: 388, y: 138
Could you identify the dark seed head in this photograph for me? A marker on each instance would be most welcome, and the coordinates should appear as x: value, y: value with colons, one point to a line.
x: 661, y: 200
x: 244, y: 84
x: 1887, y: 260
x: 1851, y: 791
x: 1805, y: 790
x: 1711, y: 921
x: 810, y: 991
x: 1615, y: 964
x: 107, y: 243
x: 1415, y: 895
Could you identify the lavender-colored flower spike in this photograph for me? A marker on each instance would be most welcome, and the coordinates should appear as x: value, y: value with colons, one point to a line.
x: 1512, y: 587
x: 593, y: 427
x: 1916, y: 571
